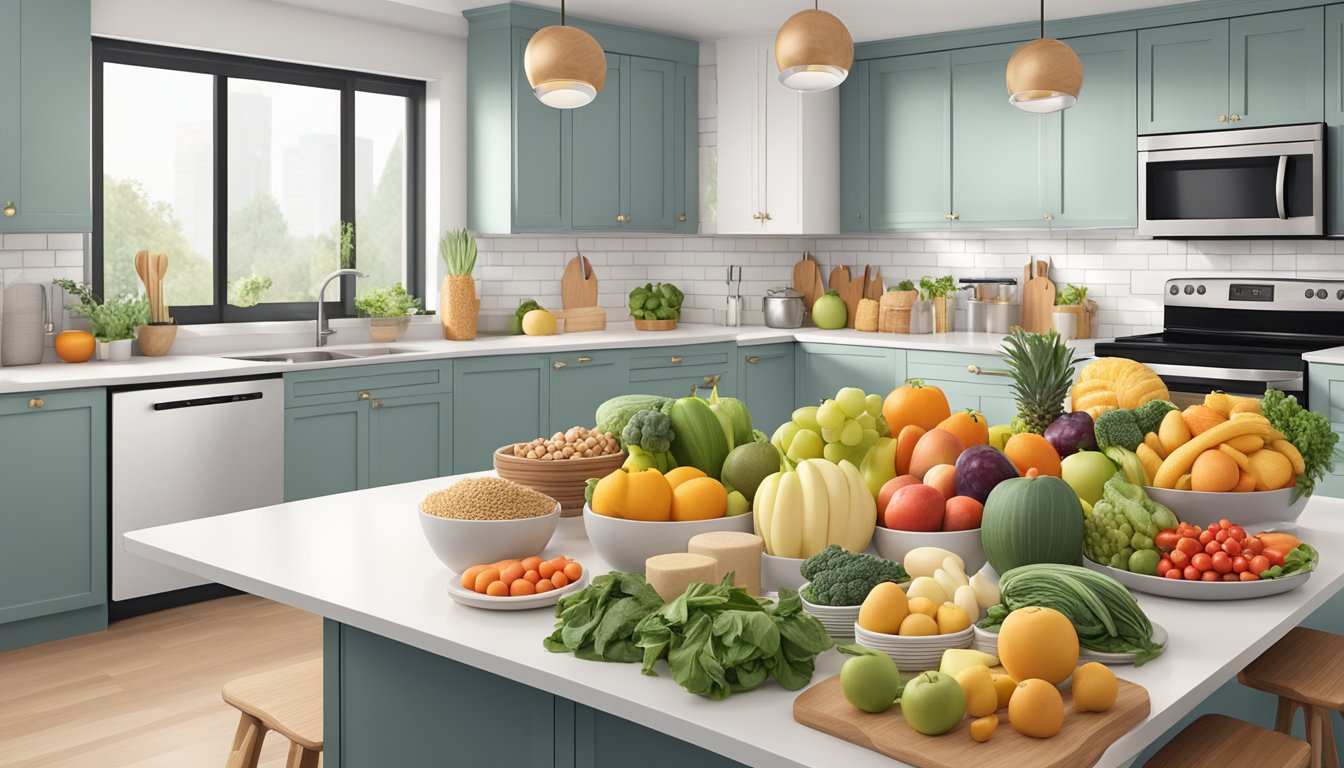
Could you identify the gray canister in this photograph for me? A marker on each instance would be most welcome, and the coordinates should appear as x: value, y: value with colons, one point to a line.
x: 21, y: 324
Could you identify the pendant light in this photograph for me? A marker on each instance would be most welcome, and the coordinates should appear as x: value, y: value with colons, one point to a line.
x: 814, y: 51
x: 565, y: 65
x: 1044, y: 75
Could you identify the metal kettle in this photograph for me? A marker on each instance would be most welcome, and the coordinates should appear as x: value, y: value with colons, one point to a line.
x: 784, y: 308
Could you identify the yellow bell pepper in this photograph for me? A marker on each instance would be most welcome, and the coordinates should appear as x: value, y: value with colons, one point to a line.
x: 634, y: 494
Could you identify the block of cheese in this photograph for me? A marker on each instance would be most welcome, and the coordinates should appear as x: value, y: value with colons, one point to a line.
x: 735, y: 552
x: 671, y: 574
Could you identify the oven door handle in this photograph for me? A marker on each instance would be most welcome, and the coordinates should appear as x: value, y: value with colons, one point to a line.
x: 1289, y: 380
x: 1279, y: 179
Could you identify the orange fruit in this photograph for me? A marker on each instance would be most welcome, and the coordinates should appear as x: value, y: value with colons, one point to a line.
x: 969, y: 426
x: 1028, y: 451
x: 1245, y: 483
x: 700, y: 498
x: 915, y: 403
x: 1214, y: 471
x: 906, y: 440
x: 1201, y: 418
x: 74, y: 346
x: 680, y: 475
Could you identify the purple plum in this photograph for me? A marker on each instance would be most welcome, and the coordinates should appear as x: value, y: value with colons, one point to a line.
x: 1071, y: 433
x: 979, y: 469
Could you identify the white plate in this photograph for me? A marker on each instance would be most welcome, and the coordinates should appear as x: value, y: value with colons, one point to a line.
x: 475, y: 599
x: 989, y: 643
x: 1201, y: 590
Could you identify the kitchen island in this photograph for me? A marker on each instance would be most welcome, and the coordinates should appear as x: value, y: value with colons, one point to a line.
x: 414, y: 679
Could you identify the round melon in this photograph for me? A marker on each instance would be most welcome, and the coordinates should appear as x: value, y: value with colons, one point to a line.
x: 1029, y: 520
x: 1038, y: 643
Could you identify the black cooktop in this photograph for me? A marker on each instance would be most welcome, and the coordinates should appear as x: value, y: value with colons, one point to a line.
x: 1223, y: 350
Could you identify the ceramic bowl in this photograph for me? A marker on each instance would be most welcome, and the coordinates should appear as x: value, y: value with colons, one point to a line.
x: 894, y: 545
x: 626, y: 544
x: 780, y: 572
x: 1201, y: 507
x: 913, y: 653
x: 460, y: 544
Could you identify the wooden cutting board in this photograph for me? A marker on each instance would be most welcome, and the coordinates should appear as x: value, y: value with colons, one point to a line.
x: 576, y: 290
x: 1038, y: 297
x: 807, y: 280
x: 872, y: 283
x: 1084, y: 737
x: 850, y: 289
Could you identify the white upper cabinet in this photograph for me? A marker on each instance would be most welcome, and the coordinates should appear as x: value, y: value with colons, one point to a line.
x: 778, y: 150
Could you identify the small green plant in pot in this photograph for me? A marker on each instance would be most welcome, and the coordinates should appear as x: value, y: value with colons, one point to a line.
x: 656, y: 307
x: 389, y: 310
x: 113, y: 321
x: 1073, y: 312
x: 938, y: 292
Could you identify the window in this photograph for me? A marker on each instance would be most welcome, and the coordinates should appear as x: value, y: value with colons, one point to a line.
x: 243, y: 170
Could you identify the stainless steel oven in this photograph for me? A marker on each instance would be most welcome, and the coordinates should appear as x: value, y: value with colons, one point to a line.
x: 1250, y: 182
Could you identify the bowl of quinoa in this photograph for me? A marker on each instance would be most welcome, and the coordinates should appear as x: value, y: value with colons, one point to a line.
x: 484, y: 519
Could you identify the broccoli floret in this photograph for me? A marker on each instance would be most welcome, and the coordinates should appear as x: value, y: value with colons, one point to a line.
x: 1149, y: 415
x: 839, y: 577
x: 650, y: 430
x: 1118, y: 428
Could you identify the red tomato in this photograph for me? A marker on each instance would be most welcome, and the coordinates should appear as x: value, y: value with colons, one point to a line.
x: 1164, y: 565
x: 1188, y: 546
x: 1179, y: 559
x: 1240, y: 564
x: 1221, y: 537
x: 1222, y: 563
x: 1211, y: 576
x: 1231, y: 577
x: 1224, y: 523
x: 1258, y: 565
x: 1212, y: 547
x: 1238, y: 532
x: 1201, y: 562
x: 1173, y: 573
x: 1206, y: 537
x: 1182, y: 528
x: 1253, y: 545
x: 1192, y: 531
x: 1191, y: 573
x: 1166, y: 539
x: 1232, y: 547
x: 1215, y: 527
x: 1248, y: 576
x: 1274, y: 555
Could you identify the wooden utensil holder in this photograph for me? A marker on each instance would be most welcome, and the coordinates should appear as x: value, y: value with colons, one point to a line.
x: 458, y: 307
x: 155, y: 340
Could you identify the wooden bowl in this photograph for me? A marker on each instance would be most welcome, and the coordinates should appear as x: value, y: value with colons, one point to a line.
x: 155, y: 340
x: 563, y: 480
x: 655, y: 325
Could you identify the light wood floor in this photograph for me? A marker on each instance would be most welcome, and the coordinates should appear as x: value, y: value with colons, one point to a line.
x: 146, y: 691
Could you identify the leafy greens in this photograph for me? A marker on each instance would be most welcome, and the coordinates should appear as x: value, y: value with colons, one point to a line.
x: 597, y: 623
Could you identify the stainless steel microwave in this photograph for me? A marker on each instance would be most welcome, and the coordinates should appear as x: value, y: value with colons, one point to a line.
x: 1236, y: 183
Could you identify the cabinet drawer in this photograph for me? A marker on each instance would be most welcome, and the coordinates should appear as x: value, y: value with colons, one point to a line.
x: 681, y: 357
x: 675, y: 371
x: 339, y: 385
x: 942, y: 366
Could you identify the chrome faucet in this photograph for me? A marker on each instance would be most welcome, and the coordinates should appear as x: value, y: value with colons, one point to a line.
x: 323, y: 328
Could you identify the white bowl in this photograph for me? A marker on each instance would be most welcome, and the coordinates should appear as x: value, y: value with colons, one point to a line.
x: 626, y: 544
x: 1245, y: 509
x: 460, y: 544
x: 780, y: 572
x: 913, y: 653
x: 837, y: 620
x: 894, y: 545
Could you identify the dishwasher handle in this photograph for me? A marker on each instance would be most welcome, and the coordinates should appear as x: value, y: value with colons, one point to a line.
x: 199, y: 401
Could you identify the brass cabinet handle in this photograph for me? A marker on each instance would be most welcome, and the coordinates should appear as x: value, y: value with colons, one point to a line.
x: 712, y: 381
x: 858, y: 215
x: 767, y: 217
x: 37, y: 402
x: 756, y: 216
x: 1049, y: 217
x: 585, y: 359
x: 1234, y: 118
x: 955, y: 215
x: 10, y: 211
x: 1222, y: 118
x: 681, y: 217
x: 676, y: 358
x: 947, y: 216
x: 978, y: 371
x: 559, y: 365
x: 376, y: 404
x: 364, y: 395
x: 752, y: 360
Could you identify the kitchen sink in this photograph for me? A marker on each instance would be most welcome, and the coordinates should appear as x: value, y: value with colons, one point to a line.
x: 319, y: 355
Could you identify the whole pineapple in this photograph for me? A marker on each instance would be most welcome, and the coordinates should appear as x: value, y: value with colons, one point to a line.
x: 1042, y: 368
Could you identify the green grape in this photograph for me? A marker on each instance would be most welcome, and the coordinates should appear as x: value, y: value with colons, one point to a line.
x: 829, y: 415
x: 806, y: 445
x: 835, y: 452
x: 874, y: 405
x: 851, y: 400
x: 832, y: 435
x: 867, y: 421
x: 851, y: 434
x: 783, y: 436
x: 806, y: 417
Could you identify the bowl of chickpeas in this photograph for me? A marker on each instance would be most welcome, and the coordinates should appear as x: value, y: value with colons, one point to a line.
x: 560, y: 465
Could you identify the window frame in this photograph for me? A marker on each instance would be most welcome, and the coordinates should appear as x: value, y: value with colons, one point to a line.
x: 221, y: 67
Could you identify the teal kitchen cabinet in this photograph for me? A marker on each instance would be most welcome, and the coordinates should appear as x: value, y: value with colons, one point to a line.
x: 624, y: 162
x: 910, y: 140
x: 53, y: 531
x: 497, y: 401
x: 822, y: 369
x: 356, y: 427
x: 1265, y: 69
x: 989, y: 391
x: 679, y: 371
x: 603, y: 740
x: 581, y: 381
x: 1326, y: 395
x: 854, y: 150
x: 765, y: 383
x: 1099, y: 176
x: 44, y: 126
x: 1004, y: 160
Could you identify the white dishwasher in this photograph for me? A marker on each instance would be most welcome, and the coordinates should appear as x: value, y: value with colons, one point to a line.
x: 187, y: 452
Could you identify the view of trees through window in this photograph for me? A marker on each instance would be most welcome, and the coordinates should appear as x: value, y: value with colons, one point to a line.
x: 284, y: 185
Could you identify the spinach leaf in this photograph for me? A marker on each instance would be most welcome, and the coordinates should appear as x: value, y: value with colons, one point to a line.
x: 597, y: 623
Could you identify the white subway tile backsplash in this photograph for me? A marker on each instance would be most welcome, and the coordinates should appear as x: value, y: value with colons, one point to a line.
x: 66, y: 241
x: 25, y: 242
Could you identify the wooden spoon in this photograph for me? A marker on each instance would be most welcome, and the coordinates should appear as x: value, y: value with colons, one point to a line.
x: 160, y: 269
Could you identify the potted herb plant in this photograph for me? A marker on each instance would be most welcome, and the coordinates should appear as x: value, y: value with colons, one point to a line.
x: 937, y: 292
x: 458, y: 305
x: 894, y: 307
x: 389, y: 311
x: 113, y: 321
x: 1073, y: 313
x: 656, y: 307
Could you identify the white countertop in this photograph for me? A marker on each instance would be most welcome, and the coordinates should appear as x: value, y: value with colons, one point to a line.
x: 360, y: 558
x: 145, y: 370
x: 1331, y: 356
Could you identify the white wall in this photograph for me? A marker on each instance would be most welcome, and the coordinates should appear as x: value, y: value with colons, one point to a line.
x: 287, y: 33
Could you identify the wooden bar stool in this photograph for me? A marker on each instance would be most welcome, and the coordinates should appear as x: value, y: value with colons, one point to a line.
x: 1305, y: 670
x: 1214, y: 741
x: 287, y: 701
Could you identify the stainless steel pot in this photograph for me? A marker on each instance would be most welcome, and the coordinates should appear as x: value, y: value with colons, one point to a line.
x: 783, y: 308
x: 992, y: 316
x: 1000, y: 290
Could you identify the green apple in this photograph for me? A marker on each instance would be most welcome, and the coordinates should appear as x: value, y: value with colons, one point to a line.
x: 1086, y: 472
x: 998, y: 435
x: 737, y: 504
x: 870, y: 682
x: 933, y: 703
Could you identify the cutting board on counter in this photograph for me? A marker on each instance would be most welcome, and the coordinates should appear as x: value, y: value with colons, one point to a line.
x: 850, y: 290
x: 872, y: 283
x: 807, y: 280
x: 1038, y: 297
x: 578, y: 296
x: 1084, y: 737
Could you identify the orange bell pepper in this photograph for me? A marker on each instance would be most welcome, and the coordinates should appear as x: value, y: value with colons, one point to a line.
x: 634, y: 495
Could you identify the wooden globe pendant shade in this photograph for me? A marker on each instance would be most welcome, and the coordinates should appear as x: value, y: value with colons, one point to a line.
x: 565, y: 65
x: 1044, y: 76
x: 814, y: 51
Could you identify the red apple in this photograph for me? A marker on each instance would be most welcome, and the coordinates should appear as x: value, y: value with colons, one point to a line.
x: 944, y: 478
x: 962, y: 513
x: 915, y: 508
x: 890, y: 488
